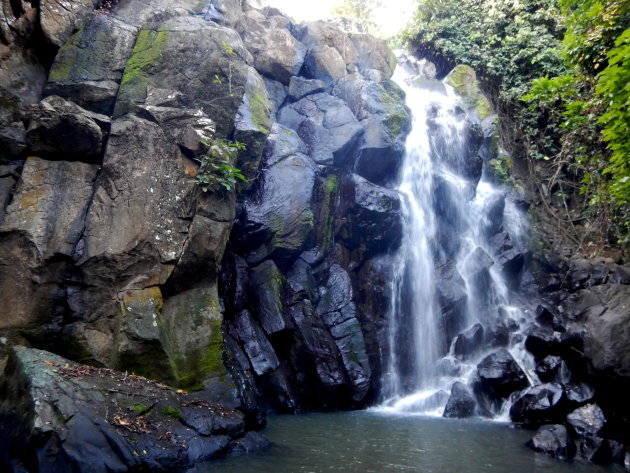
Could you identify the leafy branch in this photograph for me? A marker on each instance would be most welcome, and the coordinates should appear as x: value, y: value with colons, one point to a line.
x: 216, y: 172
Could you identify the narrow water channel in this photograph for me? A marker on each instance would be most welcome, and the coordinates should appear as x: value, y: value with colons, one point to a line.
x: 373, y: 442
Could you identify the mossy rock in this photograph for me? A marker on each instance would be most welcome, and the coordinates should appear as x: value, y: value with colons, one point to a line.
x: 463, y: 79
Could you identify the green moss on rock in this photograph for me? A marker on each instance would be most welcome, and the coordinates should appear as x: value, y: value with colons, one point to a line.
x: 393, y: 99
x: 145, y: 56
x: 464, y: 81
x: 326, y: 216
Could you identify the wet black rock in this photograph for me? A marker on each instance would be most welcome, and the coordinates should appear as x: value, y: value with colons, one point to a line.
x: 587, y: 421
x: 499, y: 375
x: 468, y: 341
x: 543, y: 404
x: 553, y: 368
x: 461, y: 404
x: 553, y: 440
x: 61, y: 416
x: 579, y: 393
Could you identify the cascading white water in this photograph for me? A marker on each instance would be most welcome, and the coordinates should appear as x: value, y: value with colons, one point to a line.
x: 422, y: 366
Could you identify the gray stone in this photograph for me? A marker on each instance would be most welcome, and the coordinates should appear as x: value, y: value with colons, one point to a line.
x: 255, y: 344
x: 267, y: 287
x: 374, y: 53
x: 59, y: 18
x: 83, y: 416
x: 461, y: 403
x: 88, y: 68
x: 587, y: 421
x: 277, y: 54
x: 542, y: 404
x: 553, y: 440
x: 300, y: 87
x: 60, y: 128
x: 284, y: 222
x: 50, y: 203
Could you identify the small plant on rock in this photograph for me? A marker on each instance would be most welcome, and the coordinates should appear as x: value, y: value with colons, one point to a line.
x: 216, y: 172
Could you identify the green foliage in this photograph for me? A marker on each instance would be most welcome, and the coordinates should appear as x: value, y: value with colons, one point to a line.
x: 227, y: 49
x: 589, y: 108
x: 360, y: 9
x: 501, y: 168
x: 216, y: 172
x: 557, y: 71
x: 172, y: 412
x: 614, y: 91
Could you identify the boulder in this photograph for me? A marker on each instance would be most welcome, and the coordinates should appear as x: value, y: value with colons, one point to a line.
x: 499, y: 375
x: 553, y: 368
x: 461, y: 403
x: 255, y: 344
x: 605, y: 311
x: 49, y: 204
x: 277, y: 54
x: 321, y: 348
x: 324, y: 36
x: 579, y: 393
x: 61, y: 416
x: 380, y: 107
x: 59, y: 18
x: 553, y: 440
x: 300, y: 87
x: 282, y: 224
x: 267, y: 287
x: 216, y: 70
x: 587, y: 421
x: 327, y: 127
x: 468, y: 342
x: 372, y: 217
x: 62, y: 129
x: 374, y: 53
x: 89, y: 66
x: 543, y: 404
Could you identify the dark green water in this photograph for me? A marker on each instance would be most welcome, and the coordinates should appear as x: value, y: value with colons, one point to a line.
x: 368, y: 442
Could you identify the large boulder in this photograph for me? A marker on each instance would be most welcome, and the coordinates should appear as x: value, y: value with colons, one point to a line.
x: 44, y: 221
x: 327, y: 126
x: 61, y: 129
x: 89, y: 66
x: 605, y: 312
x: 59, y: 18
x: 461, y: 403
x: 255, y: 344
x: 587, y: 421
x: 380, y: 107
x: 277, y: 54
x: 278, y: 223
x: 553, y: 440
x: 499, y: 375
x: 543, y: 404
x: 372, y: 219
x: 61, y: 416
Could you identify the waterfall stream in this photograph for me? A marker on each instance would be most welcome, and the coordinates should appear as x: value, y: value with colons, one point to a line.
x: 451, y: 301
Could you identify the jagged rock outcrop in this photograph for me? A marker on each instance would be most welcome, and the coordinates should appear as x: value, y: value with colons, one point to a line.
x: 268, y: 296
x: 61, y: 416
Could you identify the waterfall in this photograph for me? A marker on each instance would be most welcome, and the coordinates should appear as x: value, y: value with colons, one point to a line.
x: 448, y: 284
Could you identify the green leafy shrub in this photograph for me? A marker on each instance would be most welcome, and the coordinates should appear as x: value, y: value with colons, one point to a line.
x: 216, y: 172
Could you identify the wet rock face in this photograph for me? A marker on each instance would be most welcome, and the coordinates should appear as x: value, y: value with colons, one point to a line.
x: 499, y: 375
x: 577, y: 344
x: 461, y: 404
x: 95, y: 419
x: 110, y: 253
x: 305, y: 250
x: 553, y: 440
